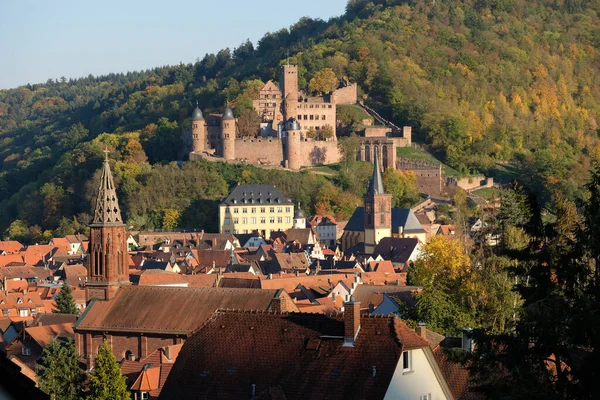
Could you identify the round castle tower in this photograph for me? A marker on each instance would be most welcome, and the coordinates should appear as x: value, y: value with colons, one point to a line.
x: 292, y: 128
x: 198, y: 131
x: 228, y: 134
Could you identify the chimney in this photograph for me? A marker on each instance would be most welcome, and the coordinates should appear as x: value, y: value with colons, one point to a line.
x: 168, y: 352
x: 421, y: 330
x: 468, y: 344
x: 351, y: 321
x: 270, y: 276
x: 214, y: 242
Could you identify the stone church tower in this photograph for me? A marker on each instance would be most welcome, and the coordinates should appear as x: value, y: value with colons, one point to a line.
x: 378, y: 210
x: 199, y: 129
x: 107, y: 263
x: 228, y: 134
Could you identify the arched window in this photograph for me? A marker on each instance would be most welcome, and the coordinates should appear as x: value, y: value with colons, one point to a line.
x: 129, y: 355
x: 367, y: 153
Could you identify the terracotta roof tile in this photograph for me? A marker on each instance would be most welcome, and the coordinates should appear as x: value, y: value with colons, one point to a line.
x: 456, y: 375
x: 302, y: 352
x: 10, y: 246
x: 43, y: 334
x: 168, y: 309
x: 201, y: 280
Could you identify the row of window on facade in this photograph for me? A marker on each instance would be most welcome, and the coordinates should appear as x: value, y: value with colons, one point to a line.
x: 311, y: 117
x: 262, y: 220
x: 23, y: 312
x: 262, y: 210
x: 315, y: 106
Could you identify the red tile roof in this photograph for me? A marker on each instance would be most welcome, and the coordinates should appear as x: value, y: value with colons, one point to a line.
x: 43, y: 334
x: 10, y: 258
x: 10, y: 246
x: 155, y: 309
x: 288, y: 356
x: 456, y: 375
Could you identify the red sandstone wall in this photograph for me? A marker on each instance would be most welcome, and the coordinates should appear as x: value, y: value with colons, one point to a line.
x: 346, y: 95
x: 319, y: 152
x: 268, y: 151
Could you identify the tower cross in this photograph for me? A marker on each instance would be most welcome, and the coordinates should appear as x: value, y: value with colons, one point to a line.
x: 106, y: 153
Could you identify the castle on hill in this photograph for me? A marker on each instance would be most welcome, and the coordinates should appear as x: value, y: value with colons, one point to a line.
x: 292, y: 130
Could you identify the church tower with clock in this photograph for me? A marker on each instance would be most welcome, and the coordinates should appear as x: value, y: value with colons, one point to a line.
x: 107, y: 262
x: 378, y: 210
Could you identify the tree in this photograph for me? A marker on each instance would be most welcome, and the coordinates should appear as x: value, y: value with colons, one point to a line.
x: 323, y: 81
x: 106, y: 381
x: 170, y: 218
x: 17, y: 230
x: 248, y: 123
x: 65, y: 303
x: 59, y: 373
x: 326, y: 132
x: 402, y: 186
x: 311, y: 133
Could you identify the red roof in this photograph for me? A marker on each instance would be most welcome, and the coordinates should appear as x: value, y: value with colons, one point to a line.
x: 10, y: 246
x: 291, y: 356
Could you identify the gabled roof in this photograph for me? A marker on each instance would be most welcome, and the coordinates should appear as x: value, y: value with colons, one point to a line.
x: 397, y: 250
x: 155, y: 309
x: 401, y: 217
x: 43, y: 334
x: 303, y: 236
x: 248, y: 195
x: 288, y: 356
x: 10, y: 246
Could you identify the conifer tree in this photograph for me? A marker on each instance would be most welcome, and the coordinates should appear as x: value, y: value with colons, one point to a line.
x: 59, y: 372
x: 65, y: 303
x: 106, y: 381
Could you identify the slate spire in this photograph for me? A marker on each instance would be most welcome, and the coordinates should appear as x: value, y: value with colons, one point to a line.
x: 107, y: 210
x: 376, y: 184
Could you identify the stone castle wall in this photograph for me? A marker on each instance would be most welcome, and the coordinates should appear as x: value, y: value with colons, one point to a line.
x: 316, y: 152
x: 428, y: 174
x: 471, y: 183
x: 345, y: 95
x: 259, y: 151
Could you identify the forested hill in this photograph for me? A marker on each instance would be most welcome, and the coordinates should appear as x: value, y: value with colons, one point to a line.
x: 481, y: 81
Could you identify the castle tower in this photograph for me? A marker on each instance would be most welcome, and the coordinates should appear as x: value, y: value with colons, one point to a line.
x: 299, y: 218
x: 198, y: 131
x: 107, y: 266
x: 289, y: 91
x: 378, y: 210
x: 228, y: 134
x: 292, y: 129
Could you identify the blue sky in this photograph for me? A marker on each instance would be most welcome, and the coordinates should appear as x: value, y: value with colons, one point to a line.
x: 42, y: 39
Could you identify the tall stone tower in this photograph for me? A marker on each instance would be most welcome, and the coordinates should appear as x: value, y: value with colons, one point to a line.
x: 107, y: 265
x: 378, y: 210
x: 198, y: 131
x: 292, y: 131
x: 289, y: 91
x: 228, y: 134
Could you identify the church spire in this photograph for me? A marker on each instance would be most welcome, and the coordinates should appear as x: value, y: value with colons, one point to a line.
x: 376, y: 184
x: 107, y: 211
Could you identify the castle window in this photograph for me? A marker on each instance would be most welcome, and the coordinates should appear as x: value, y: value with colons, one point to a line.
x: 279, y: 209
x: 253, y: 210
x: 235, y: 210
x: 253, y: 220
x: 279, y: 220
x: 323, y: 117
x: 305, y: 117
x: 382, y: 219
x: 272, y: 220
x: 312, y: 117
x: 244, y: 211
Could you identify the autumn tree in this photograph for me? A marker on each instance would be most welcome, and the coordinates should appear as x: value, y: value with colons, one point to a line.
x: 170, y: 218
x: 326, y: 132
x: 248, y: 123
x: 402, y: 186
x: 106, y: 380
x: 324, y: 81
x: 311, y: 132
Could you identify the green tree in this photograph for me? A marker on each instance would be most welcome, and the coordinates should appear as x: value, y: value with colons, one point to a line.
x: 326, y: 132
x: 17, y: 230
x: 59, y: 373
x: 311, y: 133
x: 170, y: 218
x: 65, y: 303
x: 402, y: 186
x: 106, y: 381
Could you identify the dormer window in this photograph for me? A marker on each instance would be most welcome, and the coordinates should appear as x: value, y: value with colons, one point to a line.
x: 19, y: 301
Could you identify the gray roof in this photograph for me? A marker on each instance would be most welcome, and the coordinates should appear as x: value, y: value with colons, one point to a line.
x: 397, y: 250
x: 256, y: 194
x: 401, y: 217
x: 298, y: 213
x: 376, y: 183
x: 197, y: 115
x: 227, y: 114
x: 292, y: 124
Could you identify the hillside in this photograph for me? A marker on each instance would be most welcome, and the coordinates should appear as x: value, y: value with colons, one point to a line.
x: 481, y: 82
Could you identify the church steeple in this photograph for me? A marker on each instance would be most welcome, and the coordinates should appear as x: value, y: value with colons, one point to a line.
x: 107, y: 210
x: 378, y: 210
x: 376, y: 183
x: 107, y: 262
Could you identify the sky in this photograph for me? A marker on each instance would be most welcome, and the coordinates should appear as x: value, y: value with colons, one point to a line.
x: 41, y: 39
